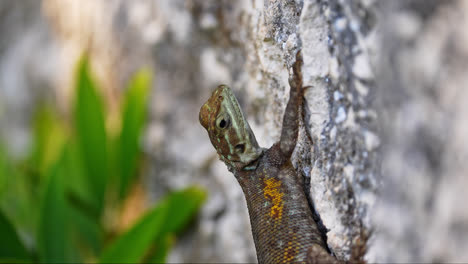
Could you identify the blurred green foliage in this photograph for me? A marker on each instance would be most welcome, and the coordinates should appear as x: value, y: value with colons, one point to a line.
x: 53, y: 205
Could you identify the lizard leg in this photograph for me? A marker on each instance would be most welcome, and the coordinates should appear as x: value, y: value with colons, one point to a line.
x: 290, y: 128
x: 317, y: 255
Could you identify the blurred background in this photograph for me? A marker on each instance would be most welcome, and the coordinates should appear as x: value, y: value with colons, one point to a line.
x: 102, y: 158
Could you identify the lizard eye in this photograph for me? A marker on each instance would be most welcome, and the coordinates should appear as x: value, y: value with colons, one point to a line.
x: 223, y: 122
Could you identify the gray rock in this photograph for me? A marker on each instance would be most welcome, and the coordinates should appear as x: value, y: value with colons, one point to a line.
x: 421, y: 216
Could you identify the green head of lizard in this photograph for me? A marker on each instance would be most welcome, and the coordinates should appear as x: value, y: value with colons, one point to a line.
x: 228, y: 130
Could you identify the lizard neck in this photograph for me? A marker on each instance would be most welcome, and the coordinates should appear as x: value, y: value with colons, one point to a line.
x: 237, y: 166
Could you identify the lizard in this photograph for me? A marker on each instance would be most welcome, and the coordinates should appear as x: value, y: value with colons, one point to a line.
x: 282, y: 223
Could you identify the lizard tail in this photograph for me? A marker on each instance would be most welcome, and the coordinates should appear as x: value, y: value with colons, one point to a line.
x: 359, y: 246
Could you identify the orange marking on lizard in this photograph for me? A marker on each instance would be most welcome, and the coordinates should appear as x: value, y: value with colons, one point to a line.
x: 291, y: 250
x: 272, y: 192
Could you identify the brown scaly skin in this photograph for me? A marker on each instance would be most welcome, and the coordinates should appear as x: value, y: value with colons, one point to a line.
x: 282, y: 224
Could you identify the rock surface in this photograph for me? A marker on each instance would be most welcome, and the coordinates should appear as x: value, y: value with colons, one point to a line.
x: 421, y: 215
x: 382, y: 144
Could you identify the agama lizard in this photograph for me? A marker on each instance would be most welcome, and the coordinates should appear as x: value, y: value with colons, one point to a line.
x: 283, y: 228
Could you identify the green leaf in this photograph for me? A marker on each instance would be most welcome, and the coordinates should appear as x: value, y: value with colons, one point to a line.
x: 53, y: 234
x: 183, y: 205
x: 171, y: 215
x: 86, y: 232
x: 3, y: 170
x: 132, y: 245
x: 18, y: 196
x: 162, y: 249
x: 77, y: 186
x: 49, y: 138
x: 91, y: 134
x: 11, y: 248
x: 133, y: 119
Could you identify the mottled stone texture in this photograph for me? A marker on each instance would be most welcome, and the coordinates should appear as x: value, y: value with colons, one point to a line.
x: 422, y: 215
x: 383, y: 144
x: 23, y: 75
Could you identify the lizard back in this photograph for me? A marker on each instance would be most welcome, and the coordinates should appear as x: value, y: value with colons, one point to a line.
x: 282, y: 224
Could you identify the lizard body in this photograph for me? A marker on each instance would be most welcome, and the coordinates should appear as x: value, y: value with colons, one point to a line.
x: 282, y: 225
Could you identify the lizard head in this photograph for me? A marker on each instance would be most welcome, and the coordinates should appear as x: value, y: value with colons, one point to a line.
x: 228, y: 130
